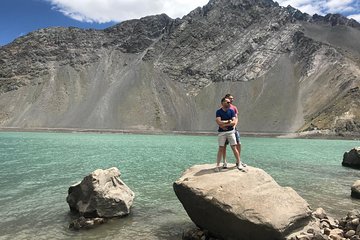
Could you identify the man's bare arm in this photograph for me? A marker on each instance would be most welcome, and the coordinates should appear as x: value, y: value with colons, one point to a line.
x: 236, y: 121
x: 225, y: 123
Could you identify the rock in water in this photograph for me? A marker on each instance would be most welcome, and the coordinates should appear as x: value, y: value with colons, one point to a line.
x: 86, y: 223
x: 101, y: 194
x: 355, y: 189
x: 352, y: 158
x: 237, y: 205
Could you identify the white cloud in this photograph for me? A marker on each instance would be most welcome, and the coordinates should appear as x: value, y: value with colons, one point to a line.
x: 307, y: 6
x: 355, y: 16
x: 322, y: 7
x: 310, y: 9
x: 101, y: 11
x: 339, y: 6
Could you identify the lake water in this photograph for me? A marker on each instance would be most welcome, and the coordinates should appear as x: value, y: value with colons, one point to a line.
x: 36, y: 170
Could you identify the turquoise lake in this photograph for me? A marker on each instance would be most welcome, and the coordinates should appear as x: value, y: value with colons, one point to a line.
x: 37, y: 169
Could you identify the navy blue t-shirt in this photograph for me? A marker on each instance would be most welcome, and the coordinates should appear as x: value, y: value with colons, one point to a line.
x: 225, y: 115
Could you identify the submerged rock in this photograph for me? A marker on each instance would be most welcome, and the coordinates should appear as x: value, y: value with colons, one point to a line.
x: 352, y: 158
x: 195, y: 234
x: 237, y: 205
x: 86, y: 223
x: 101, y: 194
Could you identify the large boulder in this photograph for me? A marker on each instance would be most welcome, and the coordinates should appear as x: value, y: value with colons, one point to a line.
x: 352, y: 158
x: 101, y: 194
x: 240, y: 205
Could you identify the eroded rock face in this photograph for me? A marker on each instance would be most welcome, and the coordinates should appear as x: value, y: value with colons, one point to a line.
x: 101, y: 194
x: 352, y: 158
x: 237, y: 205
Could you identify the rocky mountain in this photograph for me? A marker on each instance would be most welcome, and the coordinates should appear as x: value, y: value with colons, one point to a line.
x: 288, y: 71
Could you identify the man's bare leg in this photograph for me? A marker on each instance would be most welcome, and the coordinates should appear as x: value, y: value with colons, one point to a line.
x: 239, y: 164
x: 219, y: 156
x: 224, y: 157
x: 238, y: 146
x: 236, y: 154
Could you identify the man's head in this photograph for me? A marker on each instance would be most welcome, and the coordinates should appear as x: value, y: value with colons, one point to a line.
x: 230, y: 97
x: 225, y: 103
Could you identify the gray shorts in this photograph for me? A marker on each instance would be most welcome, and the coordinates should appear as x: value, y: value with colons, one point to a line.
x: 237, y: 136
x: 227, y: 136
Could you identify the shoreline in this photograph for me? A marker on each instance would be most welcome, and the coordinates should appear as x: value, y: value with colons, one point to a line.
x: 315, y: 134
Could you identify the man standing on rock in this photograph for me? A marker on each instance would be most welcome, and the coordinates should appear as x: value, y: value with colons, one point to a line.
x: 237, y: 134
x: 226, y: 119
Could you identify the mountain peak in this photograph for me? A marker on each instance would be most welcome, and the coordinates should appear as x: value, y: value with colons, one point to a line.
x: 243, y: 2
x: 237, y: 13
x: 239, y: 5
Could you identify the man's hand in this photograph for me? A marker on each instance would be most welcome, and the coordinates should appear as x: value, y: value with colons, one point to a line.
x: 224, y: 124
x: 223, y: 127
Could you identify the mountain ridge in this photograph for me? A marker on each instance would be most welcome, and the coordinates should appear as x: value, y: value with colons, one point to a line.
x: 272, y: 58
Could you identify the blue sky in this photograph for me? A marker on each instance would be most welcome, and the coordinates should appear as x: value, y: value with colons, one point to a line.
x: 19, y: 17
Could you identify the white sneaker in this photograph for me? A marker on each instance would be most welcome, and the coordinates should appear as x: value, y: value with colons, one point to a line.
x: 243, y: 164
x: 224, y: 165
x: 239, y: 167
x: 217, y: 169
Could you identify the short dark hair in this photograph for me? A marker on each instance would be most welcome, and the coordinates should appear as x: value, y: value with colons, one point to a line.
x: 227, y: 95
x: 223, y: 99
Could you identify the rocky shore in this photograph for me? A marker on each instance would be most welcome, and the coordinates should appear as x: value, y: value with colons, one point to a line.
x: 321, y: 227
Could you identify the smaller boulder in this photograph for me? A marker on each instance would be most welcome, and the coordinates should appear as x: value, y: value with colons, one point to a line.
x: 355, y: 189
x: 319, y: 213
x: 349, y: 234
x: 353, y: 214
x: 336, y: 234
x: 327, y: 231
x: 358, y: 230
x: 352, y: 158
x: 101, y: 194
x: 355, y: 221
